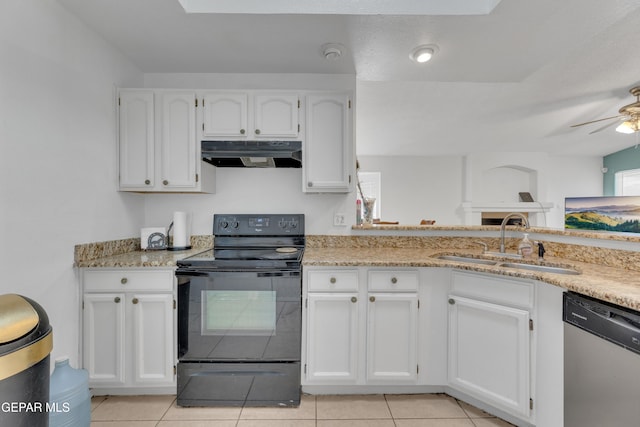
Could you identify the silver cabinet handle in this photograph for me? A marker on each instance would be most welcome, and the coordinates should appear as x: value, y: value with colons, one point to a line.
x: 372, y: 299
x: 257, y: 131
x: 333, y: 280
x: 116, y: 300
x: 394, y: 280
x: 354, y: 299
x: 242, y: 131
x: 309, y: 184
x: 165, y: 182
x: 124, y: 280
x: 135, y: 300
x: 147, y: 181
x: 452, y: 301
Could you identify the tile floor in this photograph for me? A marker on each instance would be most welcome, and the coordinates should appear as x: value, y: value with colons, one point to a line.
x: 424, y: 410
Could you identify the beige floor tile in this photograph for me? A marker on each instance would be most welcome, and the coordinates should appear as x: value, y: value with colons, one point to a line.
x: 355, y: 423
x: 197, y: 423
x: 276, y: 423
x: 96, y: 401
x: 424, y: 406
x: 473, y: 412
x: 306, y: 411
x: 123, y: 423
x: 195, y: 413
x: 491, y: 422
x: 434, y: 422
x: 132, y: 408
x: 355, y: 407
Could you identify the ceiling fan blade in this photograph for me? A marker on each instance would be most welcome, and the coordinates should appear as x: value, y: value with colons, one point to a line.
x: 604, y: 127
x: 595, y: 121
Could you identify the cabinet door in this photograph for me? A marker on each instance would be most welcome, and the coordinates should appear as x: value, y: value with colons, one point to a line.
x: 489, y: 353
x: 178, y: 142
x: 328, y: 162
x: 332, y: 337
x: 275, y: 116
x: 136, y: 139
x: 392, y: 336
x: 103, y: 338
x: 225, y: 114
x: 153, y: 343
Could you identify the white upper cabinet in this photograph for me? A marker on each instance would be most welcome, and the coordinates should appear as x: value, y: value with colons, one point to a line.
x: 276, y: 115
x: 328, y: 151
x: 250, y: 115
x: 159, y: 149
x: 225, y: 114
x: 178, y: 145
x: 136, y: 139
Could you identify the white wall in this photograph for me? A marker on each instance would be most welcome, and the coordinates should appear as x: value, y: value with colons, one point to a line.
x: 434, y: 187
x: 57, y: 164
x: 418, y: 187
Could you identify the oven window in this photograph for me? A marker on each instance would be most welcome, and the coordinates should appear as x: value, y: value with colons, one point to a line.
x: 242, y: 313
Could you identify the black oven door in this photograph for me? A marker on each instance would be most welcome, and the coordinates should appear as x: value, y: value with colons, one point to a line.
x: 239, y: 316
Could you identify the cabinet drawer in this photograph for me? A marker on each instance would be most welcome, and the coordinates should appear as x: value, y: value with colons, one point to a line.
x: 393, y: 280
x: 332, y: 280
x: 128, y: 280
x: 493, y: 288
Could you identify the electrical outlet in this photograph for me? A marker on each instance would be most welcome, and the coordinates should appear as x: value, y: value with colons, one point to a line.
x: 339, y: 219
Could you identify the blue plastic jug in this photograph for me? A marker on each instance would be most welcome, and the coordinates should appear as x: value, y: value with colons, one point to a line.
x: 69, y: 396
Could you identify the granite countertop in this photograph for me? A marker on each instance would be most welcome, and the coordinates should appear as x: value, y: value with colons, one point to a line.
x: 616, y: 285
x: 606, y: 274
x: 139, y: 258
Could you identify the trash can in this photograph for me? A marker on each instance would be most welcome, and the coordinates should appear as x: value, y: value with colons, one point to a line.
x: 25, y: 344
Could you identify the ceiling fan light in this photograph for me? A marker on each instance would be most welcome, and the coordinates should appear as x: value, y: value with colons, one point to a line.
x: 422, y: 54
x: 628, y: 127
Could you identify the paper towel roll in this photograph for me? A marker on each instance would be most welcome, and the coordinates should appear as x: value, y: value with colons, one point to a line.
x: 181, y: 230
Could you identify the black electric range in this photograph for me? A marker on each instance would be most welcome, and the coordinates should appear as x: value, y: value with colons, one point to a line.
x: 240, y: 312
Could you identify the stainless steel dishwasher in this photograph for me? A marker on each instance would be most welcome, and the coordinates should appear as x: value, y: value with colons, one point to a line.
x: 601, y: 363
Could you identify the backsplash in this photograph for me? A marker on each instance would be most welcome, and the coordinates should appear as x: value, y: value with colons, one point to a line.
x: 618, y: 258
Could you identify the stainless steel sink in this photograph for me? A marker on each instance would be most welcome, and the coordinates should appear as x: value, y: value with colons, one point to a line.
x: 471, y: 260
x: 540, y: 268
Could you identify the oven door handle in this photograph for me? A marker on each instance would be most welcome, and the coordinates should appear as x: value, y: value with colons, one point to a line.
x: 199, y: 273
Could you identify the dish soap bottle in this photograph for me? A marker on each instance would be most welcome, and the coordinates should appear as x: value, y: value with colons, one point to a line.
x: 525, y: 248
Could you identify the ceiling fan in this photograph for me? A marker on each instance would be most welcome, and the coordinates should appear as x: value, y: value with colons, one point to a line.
x: 629, y: 115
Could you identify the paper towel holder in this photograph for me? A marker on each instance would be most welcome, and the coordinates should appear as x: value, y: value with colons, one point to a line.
x: 175, y: 248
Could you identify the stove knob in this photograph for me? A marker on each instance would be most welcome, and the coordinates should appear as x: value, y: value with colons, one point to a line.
x: 235, y: 224
x: 293, y: 223
x: 282, y: 223
x: 224, y: 224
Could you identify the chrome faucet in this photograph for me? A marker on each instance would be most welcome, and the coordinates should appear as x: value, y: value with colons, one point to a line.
x: 504, y: 224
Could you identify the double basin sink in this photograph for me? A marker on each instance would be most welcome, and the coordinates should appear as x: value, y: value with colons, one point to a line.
x: 542, y: 268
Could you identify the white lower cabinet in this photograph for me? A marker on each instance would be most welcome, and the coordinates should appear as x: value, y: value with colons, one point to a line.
x: 490, y: 341
x: 128, y: 330
x: 332, y: 331
x: 360, y: 334
x: 392, y: 337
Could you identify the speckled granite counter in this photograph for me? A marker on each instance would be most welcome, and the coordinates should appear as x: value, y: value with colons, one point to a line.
x: 609, y: 275
x: 126, y: 253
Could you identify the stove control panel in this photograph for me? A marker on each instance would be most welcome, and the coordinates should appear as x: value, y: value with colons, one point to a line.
x: 254, y: 225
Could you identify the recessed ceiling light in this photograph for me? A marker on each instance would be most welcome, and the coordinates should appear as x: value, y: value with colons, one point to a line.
x: 423, y: 53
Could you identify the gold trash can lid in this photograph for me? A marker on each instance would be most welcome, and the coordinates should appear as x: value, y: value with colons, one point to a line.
x: 17, y: 317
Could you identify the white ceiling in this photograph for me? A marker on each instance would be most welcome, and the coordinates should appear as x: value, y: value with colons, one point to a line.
x: 510, y: 80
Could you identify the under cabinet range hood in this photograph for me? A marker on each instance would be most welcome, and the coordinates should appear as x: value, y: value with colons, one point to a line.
x: 253, y: 154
